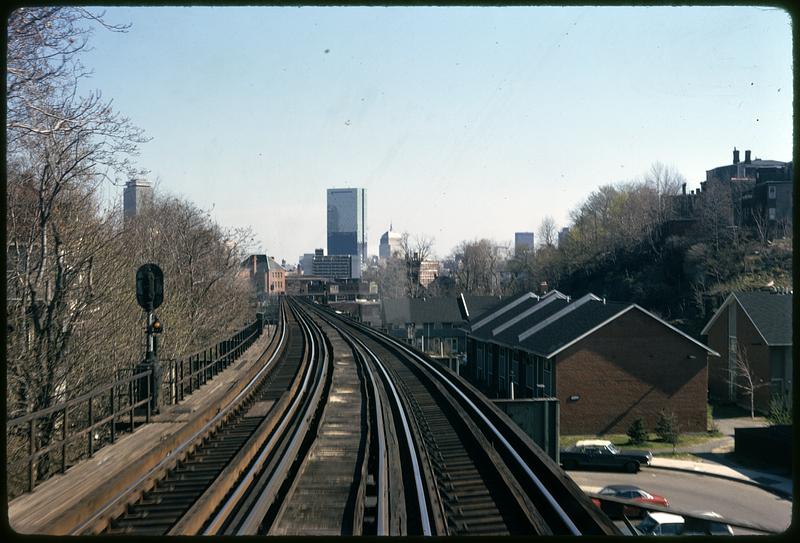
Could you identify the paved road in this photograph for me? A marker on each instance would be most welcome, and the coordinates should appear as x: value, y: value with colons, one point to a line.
x: 693, y: 492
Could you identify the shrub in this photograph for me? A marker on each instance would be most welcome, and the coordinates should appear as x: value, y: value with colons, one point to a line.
x: 636, y: 432
x: 667, y: 428
x: 779, y: 411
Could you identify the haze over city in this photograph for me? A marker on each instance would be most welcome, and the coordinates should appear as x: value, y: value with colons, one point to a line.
x: 461, y: 123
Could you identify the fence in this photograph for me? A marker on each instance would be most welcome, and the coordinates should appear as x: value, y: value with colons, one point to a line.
x: 88, y: 422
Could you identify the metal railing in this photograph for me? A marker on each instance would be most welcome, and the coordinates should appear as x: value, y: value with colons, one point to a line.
x: 186, y: 375
x: 92, y: 420
x: 105, y: 408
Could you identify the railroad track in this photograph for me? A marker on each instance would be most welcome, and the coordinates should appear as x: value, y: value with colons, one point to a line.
x: 477, y: 474
x: 183, y: 491
x: 346, y: 431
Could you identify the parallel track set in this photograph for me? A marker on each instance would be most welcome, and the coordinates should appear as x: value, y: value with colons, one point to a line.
x: 346, y: 431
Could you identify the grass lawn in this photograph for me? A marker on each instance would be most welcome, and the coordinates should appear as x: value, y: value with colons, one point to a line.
x: 653, y: 443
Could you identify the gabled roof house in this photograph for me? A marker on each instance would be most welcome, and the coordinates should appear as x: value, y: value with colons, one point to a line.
x: 755, y: 328
x: 607, y: 362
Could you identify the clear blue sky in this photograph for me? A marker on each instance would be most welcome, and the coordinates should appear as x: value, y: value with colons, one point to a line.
x: 460, y: 122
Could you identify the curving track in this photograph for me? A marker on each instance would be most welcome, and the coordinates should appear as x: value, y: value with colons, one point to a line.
x: 347, y: 431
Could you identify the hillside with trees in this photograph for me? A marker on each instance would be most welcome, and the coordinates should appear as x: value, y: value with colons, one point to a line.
x: 627, y: 242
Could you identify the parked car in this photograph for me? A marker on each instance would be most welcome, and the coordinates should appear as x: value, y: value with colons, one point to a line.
x: 633, y: 493
x: 655, y: 523
x: 706, y: 523
x: 700, y: 523
x: 601, y: 453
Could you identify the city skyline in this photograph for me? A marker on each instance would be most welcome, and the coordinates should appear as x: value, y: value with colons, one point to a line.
x: 461, y: 123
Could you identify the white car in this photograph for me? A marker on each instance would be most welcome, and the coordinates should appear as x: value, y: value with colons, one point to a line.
x: 707, y: 523
x: 655, y: 523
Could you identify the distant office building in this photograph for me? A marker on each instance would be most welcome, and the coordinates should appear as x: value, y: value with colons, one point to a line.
x: 523, y: 241
x: 307, y: 263
x: 137, y: 194
x: 347, y: 219
x: 335, y: 266
x: 562, y: 236
x: 391, y: 244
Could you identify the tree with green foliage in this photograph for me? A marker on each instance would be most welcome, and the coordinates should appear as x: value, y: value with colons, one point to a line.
x: 668, y: 429
x: 780, y: 412
x: 637, y: 434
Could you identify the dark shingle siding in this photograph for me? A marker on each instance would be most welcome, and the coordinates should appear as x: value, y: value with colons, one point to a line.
x: 771, y: 314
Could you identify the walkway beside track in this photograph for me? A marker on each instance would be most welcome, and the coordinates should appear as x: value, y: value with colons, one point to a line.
x: 57, y: 505
x: 324, y: 489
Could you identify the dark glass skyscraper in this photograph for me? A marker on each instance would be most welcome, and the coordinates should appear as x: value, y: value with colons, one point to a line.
x: 347, y: 219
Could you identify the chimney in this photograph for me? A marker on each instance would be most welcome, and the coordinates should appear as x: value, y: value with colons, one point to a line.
x: 736, y: 155
x: 747, y: 157
x: 683, y: 187
x: 543, y: 287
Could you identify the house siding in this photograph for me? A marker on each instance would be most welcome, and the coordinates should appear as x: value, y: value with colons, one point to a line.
x: 633, y: 367
x: 757, y: 352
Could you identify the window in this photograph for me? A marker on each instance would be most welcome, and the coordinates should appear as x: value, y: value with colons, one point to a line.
x: 529, y: 377
x: 771, y: 213
x: 772, y: 192
x: 454, y: 344
x: 515, y: 370
x: 548, y: 383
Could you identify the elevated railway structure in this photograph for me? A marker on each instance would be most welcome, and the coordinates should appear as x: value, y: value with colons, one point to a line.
x: 329, y: 428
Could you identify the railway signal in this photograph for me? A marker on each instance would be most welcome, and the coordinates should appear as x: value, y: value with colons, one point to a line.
x: 150, y: 295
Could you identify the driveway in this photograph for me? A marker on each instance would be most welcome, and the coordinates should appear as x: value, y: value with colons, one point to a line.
x: 727, y: 427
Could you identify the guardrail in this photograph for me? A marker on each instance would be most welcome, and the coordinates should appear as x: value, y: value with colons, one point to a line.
x: 92, y: 420
x: 190, y: 373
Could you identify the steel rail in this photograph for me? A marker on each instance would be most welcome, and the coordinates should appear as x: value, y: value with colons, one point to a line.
x: 382, y: 525
x: 255, y: 518
x: 383, y: 475
x: 191, y: 440
x: 497, y: 433
x: 423, y: 502
x: 228, y: 506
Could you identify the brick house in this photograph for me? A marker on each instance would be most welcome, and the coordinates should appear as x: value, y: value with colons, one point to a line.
x: 757, y: 325
x: 276, y: 278
x: 254, y: 268
x: 608, y: 363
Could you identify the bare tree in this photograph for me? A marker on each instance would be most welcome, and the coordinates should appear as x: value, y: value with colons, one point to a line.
x: 744, y: 378
x: 761, y: 223
x: 548, y: 232
x: 478, y: 267
x: 666, y: 182
x: 416, y: 251
x: 716, y: 214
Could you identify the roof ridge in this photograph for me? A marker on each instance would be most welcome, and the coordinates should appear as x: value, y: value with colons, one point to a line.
x: 559, y: 314
x: 528, y: 312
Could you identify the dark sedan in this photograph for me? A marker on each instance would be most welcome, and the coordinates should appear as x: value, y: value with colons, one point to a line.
x: 599, y: 453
